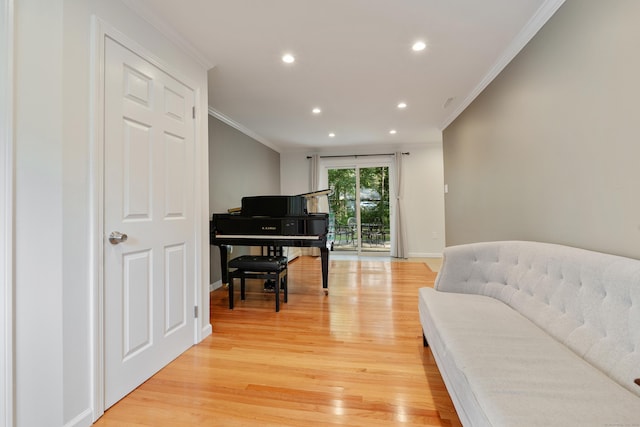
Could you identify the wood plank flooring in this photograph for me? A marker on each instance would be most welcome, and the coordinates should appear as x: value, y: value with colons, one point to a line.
x: 352, y: 358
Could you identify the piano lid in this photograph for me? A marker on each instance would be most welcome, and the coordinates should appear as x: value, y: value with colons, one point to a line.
x: 274, y: 206
x: 318, y: 193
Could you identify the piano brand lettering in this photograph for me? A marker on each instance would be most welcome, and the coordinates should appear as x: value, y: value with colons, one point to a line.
x: 268, y: 227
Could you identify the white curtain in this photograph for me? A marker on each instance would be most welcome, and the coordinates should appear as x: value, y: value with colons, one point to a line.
x: 320, y: 203
x: 314, y: 182
x: 314, y: 178
x: 399, y: 246
x: 312, y: 203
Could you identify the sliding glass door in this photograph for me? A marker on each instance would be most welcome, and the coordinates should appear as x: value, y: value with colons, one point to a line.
x: 374, y: 209
x: 360, y: 208
x: 342, y: 208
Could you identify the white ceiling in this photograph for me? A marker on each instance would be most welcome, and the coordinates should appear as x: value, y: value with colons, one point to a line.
x: 353, y: 60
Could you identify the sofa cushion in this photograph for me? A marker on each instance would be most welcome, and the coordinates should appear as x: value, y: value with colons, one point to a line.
x: 500, y: 366
x: 587, y: 300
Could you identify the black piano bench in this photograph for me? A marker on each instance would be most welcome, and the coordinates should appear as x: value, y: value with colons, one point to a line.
x: 259, y: 267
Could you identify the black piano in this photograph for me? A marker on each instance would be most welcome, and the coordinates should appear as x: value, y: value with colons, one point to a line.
x: 273, y: 222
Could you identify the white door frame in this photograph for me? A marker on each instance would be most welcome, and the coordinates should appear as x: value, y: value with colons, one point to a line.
x: 7, y: 165
x: 102, y: 30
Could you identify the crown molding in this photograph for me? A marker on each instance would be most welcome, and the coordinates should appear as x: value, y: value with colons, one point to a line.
x: 537, y: 21
x: 169, y: 32
x: 218, y: 115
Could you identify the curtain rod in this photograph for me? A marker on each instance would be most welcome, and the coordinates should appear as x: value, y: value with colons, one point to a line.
x: 359, y: 155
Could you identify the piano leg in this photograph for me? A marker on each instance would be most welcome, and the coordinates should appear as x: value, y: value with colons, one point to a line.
x: 324, y: 259
x: 224, y: 267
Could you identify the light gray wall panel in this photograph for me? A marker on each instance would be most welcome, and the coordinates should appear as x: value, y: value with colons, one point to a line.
x: 238, y: 166
x: 550, y: 150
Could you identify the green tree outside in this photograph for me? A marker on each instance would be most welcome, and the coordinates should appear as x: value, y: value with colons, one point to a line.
x: 374, y: 195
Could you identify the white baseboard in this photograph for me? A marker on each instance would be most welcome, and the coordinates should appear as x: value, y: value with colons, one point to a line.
x: 215, y: 285
x: 84, y: 419
x: 207, y: 330
x: 425, y: 254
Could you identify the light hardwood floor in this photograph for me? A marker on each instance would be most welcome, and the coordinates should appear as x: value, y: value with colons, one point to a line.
x: 352, y: 358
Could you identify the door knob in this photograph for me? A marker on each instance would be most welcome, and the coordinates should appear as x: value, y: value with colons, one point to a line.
x: 117, y: 237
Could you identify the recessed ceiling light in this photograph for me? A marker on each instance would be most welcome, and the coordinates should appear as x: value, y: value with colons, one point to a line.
x: 393, y: 131
x: 288, y: 58
x: 332, y: 135
x: 316, y: 110
x: 402, y: 105
x: 418, y: 46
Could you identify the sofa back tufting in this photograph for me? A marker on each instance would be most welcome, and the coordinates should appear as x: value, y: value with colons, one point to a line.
x: 587, y: 300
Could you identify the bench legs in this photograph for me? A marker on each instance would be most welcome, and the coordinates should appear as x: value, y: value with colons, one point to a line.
x: 281, y: 281
x: 279, y: 277
x: 242, y: 294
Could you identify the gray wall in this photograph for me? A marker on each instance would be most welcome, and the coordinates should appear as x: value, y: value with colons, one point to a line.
x: 550, y: 151
x: 238, y: 166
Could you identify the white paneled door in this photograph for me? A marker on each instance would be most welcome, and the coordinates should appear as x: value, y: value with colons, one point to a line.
x: 148, y: 220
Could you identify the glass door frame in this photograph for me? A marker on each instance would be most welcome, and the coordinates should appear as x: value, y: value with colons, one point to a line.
x: 353, y: 162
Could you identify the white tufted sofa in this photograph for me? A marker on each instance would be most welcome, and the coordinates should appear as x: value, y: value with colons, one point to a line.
x: 534, y: 334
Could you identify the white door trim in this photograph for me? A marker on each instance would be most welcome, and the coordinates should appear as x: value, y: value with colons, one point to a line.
x: 7, y: 162
x: 100, y: 31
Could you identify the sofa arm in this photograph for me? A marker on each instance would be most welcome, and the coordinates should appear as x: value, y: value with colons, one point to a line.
x: 477, y: 268
x: 456, y: 269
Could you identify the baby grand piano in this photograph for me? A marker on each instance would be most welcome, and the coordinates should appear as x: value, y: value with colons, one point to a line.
x: 274, y: 222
